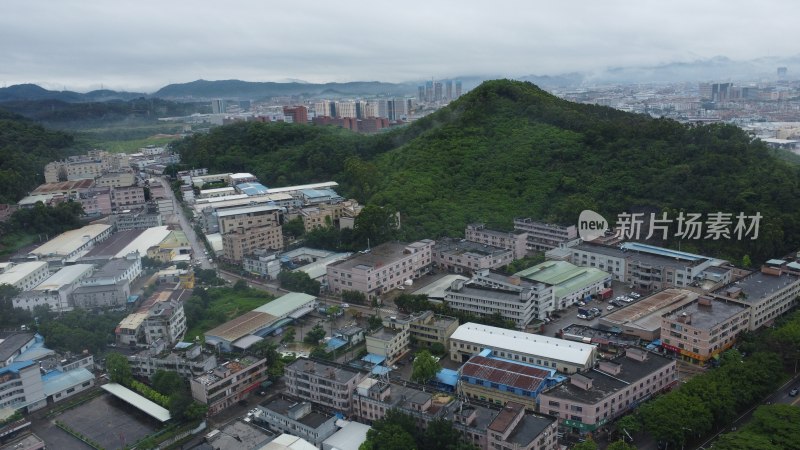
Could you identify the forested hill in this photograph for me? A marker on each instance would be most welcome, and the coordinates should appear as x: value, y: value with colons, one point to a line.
x: 509, y: 149
x: 25, y: 148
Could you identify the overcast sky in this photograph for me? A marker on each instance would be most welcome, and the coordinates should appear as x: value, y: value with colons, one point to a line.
x: 143, y: 45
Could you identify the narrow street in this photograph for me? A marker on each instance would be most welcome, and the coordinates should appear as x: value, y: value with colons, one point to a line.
x: 198, y: 246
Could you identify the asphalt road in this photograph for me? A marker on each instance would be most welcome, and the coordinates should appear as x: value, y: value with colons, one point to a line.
x: 198, y: 247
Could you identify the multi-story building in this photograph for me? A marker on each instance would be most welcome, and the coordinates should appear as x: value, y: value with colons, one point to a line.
x: 165, y: 321
x: 703, y: 328
x: 325, y: 383
x: 237, y: 245
x: 25, y: 276
x: 136, y: 219
x: 127, y: 196
x: 115, y: 179
x: 391, y: 342
x: 298, y: 114
x: 542, y: 236
x: 428, y: 328
x: 463, y: 256
x: 96, y: 201
x: 571, y: 284
x: 517, y: 429
x: 284, y: 414
x: 516, y: 240
x: 562, y: 355
x: 500, y: 380
x: 187, y: 359
x: 21, y: 387
x: 489, y: 293
x: 381, y: 268
x: 768, y: 293
x: 594, y: 398
x: 650, y: 268
x: 56, y: 290
x: 228, y: 383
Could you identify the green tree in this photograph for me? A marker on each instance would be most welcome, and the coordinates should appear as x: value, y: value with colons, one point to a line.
x: 437, y: 348
x: 629, y: 423
x: 746, y: 262
x: 425, y: 367
x: 374, y: 322
x: 390, y: 437
x: 167, y: 381
x: 354, y: 297
x: 288, y: 335
x: 294, y: 227
x: 745, y: 440
x: 314, y: 335
x: 375, y: 225
x: 588, y: 444
x: 441, y: 434
x: 620, y: 445
x: 298, y: 282
x: 118, y: 368
x: 10, y: 316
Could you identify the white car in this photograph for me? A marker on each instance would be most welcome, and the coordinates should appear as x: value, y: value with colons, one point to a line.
x: 345, y: 305
x: 610, y: 307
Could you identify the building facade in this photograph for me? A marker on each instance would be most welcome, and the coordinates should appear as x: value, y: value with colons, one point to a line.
x: 703, y: 328
x: 324, y: 383
x: 542, y: 236
x: 228, y: 383
x: 462, y: 256
x: 516, y: 241
x: 516, y: 429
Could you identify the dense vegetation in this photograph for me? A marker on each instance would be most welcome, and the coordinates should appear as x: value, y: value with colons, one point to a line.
x: 208, y: 308
x: 25, y: 148
x: 400, y: 431
x: 508, y: 149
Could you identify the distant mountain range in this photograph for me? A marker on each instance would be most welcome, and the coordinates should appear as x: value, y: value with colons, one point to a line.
x: 718, y: 68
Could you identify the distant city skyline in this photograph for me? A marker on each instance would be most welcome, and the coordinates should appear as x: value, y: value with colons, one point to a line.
x: 144, y: 45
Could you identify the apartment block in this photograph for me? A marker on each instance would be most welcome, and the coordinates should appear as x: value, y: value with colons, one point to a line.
x: 115, y: 179
x: 237, y: 220
x: 126, y: 197
x: 136, y: 219
x: 463, y: 256
x: 96, y: 201
x: 390, y: 342
x: 228, y: 383
x: 514, y: 428
x: 428, y: 328
x: 380, y: 269
x: 594, y: 398
x: 324, y: 383
x: 516, y: 240
x: 187, y: 359
x: 542, y: 236
x: 21, y: 387
x: 703, y: 328
x: 239, y: 244
x: 166, y: 321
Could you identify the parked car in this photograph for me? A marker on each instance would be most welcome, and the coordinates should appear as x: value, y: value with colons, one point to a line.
x: 581, y: 316
x: 793, y: 392
x: 581, y: 303
x: 610, y: 307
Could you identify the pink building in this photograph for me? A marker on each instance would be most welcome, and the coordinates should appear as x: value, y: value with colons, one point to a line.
x: 96, y: 201
x: 516, y: 241
x: 593, y: 398
x: 514, y: 429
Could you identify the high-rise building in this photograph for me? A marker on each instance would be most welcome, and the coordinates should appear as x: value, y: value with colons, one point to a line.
x: 421, y: 93
x: 429, y: 91
x: 782, y: 73
x: 458, y: 88
x: 437, y: 91
x: 346, y: 109
x: 449, y: 86
x: 218, y: 106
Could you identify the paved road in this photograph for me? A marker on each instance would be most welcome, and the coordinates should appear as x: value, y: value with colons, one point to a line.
x: 198, y: 247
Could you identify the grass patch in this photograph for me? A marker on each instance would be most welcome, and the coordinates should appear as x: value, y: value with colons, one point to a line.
x: 219, y: 305
x: 12, y: 242
x: 132, y: 146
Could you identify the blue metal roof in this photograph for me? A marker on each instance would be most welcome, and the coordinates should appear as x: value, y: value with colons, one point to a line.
x: 381, y: 370
x: 57, y: 381
x: 373, y: 358
x: 335, y: 343
x: 16, y: 366
x: 448, y: 377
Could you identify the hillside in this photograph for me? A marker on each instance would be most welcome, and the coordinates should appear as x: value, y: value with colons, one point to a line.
x: 250, y: 90
x: 509, y: 149
x: 25, y: 148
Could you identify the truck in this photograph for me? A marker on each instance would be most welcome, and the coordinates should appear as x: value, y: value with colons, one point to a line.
x: 605, y: 294
x: 585, y: 312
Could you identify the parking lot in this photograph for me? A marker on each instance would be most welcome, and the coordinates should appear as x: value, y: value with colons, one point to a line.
x: 569, y: 316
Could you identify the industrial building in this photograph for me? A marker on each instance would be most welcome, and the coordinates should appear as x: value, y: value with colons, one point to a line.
x: 562, y: 355
x: 71, y: 245
x: 643, y: 318
x: 25, y: 276
x: 56, y: 291
x: 571, y: 284
x: 704, y: 328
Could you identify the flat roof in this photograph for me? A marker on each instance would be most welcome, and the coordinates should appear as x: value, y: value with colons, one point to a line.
x: 217, y: 190
x: 63, y: 186
x: 646, y: 254
x: 342, y: 374
x: 247, y: 210
x: 646, y: 313
x: 605, y: 385
x: 113, y: 267
x: 528, y: 428
x: 707, y: 317
x: 286, y: 304
x: 282, y: 406
x: 241, y: 326
x: 289, y: 442
x: 461, y: 246
x: 148, y: 407
x: 13, y: 343
x: 525, y: 343
x: 437, y: 288
x: 65, y: 276
x: 758, y: 285
x: 319, y: 267
x: 69, y: 241
x: 132, y: 321
x: 19, y: 271
x: 376, y: 257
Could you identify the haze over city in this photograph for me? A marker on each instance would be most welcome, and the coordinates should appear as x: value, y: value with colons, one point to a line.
x: 143, y: 45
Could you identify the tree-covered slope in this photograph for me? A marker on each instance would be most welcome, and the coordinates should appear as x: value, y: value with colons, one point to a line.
x: 25, y: 148
x: 509, y: 149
